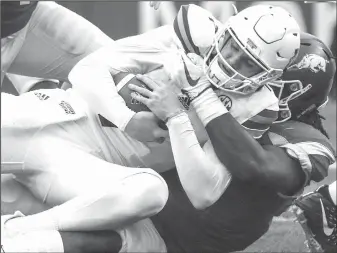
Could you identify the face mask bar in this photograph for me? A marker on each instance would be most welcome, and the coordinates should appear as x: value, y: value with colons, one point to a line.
x: 297, y: 89
x: 231, y: 83
x: 324, y: 104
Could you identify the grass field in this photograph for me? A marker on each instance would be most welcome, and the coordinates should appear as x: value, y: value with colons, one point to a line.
x: 284, y: 234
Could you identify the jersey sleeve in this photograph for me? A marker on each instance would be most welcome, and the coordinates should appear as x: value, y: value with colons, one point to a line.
x: 312, y: 149
x: 261, y: 122
x: 314, y: 157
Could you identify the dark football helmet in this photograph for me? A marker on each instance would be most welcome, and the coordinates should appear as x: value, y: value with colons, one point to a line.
x: 305, y: 85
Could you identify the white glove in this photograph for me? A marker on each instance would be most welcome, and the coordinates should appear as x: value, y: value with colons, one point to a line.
x: 190, y: 76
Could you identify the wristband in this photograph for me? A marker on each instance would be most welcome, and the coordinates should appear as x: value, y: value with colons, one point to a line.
x: 208, y: 106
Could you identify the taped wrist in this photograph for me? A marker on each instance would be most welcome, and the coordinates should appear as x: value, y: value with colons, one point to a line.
x: 195, y: 91
x: 208, y: 106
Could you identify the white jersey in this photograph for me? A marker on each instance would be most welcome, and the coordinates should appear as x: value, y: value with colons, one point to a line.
x: 149, y: 60
x: 156, y: 53
x: 23, y: 117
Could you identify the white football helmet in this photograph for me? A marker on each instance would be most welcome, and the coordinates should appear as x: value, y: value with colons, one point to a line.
x: 270, y: 37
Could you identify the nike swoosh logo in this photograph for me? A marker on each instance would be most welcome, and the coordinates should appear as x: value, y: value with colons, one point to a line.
x: 327, y: 231
x: 188, y: 77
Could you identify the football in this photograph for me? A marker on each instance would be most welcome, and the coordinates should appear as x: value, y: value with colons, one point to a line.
x: 122, y: 81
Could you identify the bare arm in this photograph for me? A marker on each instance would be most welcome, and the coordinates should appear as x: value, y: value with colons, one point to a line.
x: 286, y: 168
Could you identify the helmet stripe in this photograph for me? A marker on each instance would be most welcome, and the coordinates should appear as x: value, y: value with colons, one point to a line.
x: 181, y: 28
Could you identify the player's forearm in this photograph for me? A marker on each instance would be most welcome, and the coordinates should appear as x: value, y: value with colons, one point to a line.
x: 198, y: 175
x: 92, y: 79
x: 237, y: 150
x: 234, y: 147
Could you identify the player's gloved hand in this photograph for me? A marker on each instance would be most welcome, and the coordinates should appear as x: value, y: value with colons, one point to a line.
x: 155, y: 4
x: 190, y: 75
x: 162, y: 100
x: 144, y: 127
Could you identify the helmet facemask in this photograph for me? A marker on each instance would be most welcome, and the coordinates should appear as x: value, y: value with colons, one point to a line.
x: 287, y: 91
x: 247, y: 74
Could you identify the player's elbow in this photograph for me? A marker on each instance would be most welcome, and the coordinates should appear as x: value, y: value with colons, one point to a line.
x: 203, y: 197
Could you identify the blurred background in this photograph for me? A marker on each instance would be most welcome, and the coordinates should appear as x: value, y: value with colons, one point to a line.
x: 121, y: 19
x: 126, y: 18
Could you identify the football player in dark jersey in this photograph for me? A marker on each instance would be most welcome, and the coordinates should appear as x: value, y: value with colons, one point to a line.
x: 316, y: 211
x: 266, y: 176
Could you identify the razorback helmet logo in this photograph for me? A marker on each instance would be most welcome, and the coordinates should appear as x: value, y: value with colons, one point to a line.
x: 313, y: 62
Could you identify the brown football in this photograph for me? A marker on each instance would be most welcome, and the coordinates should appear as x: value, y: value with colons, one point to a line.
x: 125, y: 92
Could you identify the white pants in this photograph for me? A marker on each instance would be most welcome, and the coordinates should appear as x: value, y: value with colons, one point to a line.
x: 52, y: 42
x: 56, y: 159
x: 141, y: 236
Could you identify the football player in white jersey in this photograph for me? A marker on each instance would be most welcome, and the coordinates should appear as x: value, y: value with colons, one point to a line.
x: 45, y: 40
x: 84, y: 135
x: 310, y: 157
x: 194, y: 31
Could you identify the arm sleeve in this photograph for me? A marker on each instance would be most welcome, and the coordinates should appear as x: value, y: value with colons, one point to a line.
x: 202, y: 175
